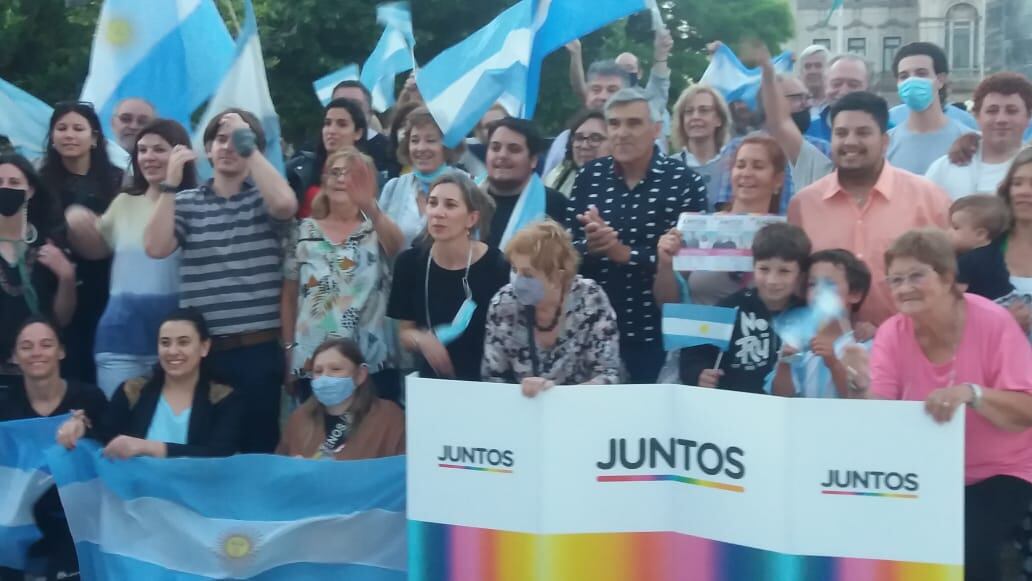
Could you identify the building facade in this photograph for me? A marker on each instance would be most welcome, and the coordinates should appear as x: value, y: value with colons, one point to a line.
x: 979, y: 36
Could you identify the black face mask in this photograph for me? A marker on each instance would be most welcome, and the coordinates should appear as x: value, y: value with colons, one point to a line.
x: 802, y: 120
x: 11, y: 200
x: 633, y: 78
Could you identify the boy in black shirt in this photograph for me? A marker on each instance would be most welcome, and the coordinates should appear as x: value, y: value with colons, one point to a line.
x: 781, y: 255
x: 978, y: 223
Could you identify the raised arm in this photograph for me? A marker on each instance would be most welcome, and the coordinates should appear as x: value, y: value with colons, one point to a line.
x: 779, y: 118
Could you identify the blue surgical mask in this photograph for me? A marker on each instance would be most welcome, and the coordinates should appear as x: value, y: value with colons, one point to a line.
x: 448, y: 333
x: 528, y: 290
x: 917, y: 93
x: 331, y: 391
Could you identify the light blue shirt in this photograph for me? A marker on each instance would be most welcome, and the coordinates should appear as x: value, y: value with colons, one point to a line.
x: 900, y: 113
x: 915, y: 152
x: 811, y: 376
x: 166, y: 426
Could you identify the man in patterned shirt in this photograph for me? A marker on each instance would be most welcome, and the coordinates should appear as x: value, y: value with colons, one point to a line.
x: 619, y: 208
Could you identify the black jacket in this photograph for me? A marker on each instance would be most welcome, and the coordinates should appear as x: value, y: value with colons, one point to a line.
x: 754, y: 347
x: 302, y: 173
x: 216, y: 417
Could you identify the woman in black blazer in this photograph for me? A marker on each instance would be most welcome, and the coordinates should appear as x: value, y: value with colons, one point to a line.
x: 177, y: 411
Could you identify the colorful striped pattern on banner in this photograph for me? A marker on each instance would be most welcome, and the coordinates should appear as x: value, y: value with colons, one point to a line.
x: 452, y: 553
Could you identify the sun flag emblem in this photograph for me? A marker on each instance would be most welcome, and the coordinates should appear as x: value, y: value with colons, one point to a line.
x: 118, y: 32
x: 237, y: 546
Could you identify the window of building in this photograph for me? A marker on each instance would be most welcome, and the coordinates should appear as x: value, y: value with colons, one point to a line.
x: 857, y: 46
x: 962, y: 36
x: 825, y: 42
x: 890, y: 44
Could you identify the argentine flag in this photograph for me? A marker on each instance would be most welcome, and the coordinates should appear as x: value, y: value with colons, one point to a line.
x: 244, y: 517
x: 246, y: 87
x: 691, y: 325
x: 799, y: 326
x: 502, y: 61
x: 734, y: 80
x: 170, y: 52
x: 24, y: 477
x: 324, y: 86
x: 393, y: 53
x: 25, y: 120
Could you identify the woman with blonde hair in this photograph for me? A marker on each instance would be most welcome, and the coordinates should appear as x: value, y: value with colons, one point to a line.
x: 337, y: 276
x: 702, y: 128
x: 550, y: 326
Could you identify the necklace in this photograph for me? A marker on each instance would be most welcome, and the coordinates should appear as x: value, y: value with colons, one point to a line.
x: 555, y: 320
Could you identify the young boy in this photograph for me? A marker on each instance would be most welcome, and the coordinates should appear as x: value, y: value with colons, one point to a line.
x: 978, y: 222
x: 820, y: 371
x: 780, y: 256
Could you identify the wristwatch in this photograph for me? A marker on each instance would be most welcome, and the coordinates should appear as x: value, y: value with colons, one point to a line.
x: 167, y: 188
x: 976, y: 395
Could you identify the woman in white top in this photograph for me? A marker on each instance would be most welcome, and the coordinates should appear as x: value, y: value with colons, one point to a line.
x: 701, y: 131
x: 421, y: 147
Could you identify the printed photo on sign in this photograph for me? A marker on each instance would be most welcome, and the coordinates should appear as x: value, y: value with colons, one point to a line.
x: 718, y: 242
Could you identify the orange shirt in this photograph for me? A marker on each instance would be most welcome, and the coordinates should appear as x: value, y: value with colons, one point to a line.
x: 900, y: 201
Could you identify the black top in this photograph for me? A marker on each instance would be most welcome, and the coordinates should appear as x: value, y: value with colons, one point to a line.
x: 555, y: 208
x: 216, y: 417
x: 378, y: 147
x: 985, y: 272
x: 640, y: 217
x: 78, y: 396
x: 407, y: 302
x: 754, y: 347
x: 13, y: 308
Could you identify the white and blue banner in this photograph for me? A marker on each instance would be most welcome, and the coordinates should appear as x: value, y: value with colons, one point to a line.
x: 24, y: 477
x: 172, y: 53
x: 392, y: 56
x: 502, y: 61
x: 25, y: 121
x: 244, y: 517
x: 324, y: 86
x: 247, y: 87
x: 734, y: 80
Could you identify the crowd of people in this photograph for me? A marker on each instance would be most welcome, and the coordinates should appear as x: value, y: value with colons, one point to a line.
x: 177, y: 317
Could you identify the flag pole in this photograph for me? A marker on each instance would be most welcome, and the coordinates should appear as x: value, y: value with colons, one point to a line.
x: 841, y: 25
x: 228, y: 4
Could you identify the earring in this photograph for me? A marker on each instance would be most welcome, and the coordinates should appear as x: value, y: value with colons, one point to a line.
x: 29, y: 233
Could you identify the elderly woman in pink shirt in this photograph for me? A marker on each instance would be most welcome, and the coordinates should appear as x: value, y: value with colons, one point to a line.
x: 958, y: 351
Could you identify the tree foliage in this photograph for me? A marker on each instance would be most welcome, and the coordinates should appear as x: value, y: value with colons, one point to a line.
x: 47, y: 44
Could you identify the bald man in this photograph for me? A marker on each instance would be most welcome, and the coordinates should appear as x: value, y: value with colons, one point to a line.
x: 131, y: 115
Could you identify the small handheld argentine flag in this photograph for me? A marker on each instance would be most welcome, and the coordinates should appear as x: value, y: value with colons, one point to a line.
x: 799, y: 326
x: 325, y: 85
x: 692, y: 325
x: 24, y: 477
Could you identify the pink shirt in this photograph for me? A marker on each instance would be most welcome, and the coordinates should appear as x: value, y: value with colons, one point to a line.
x: 993, y: 353
x: 900, y: 201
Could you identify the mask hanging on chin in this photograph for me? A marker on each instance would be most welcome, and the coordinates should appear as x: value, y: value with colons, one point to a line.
x: 11, y: 200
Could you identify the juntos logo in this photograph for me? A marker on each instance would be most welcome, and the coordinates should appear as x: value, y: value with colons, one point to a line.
x: 479, y: 459
x: 871, y: 483
x: 682, y: 455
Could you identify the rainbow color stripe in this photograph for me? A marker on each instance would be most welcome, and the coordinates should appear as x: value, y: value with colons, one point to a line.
x: 453, y: 553
x: 878, y: 494
x: 672, y: 478
x: 477, y: 468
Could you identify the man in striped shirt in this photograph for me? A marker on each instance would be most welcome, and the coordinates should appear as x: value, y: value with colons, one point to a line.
x: 230, y: 230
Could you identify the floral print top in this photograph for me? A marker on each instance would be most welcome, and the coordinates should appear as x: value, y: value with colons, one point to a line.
x: 342, y: 292
x: 587, y: 348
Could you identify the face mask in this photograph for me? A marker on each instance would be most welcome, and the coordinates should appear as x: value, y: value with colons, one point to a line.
x: 11, y: 200
x: 446, y: 334
x: 331, y: 391
x: 802, y: 120
x: 528, y: 290
x: 917, y: 93
x: 634, y: 79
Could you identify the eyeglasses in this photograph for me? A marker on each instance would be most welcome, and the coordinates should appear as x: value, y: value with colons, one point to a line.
x: 700, y: 110
x: 127, y: 118
x: 915, y: 278
x: 593, y: 139
x: 337, y: 172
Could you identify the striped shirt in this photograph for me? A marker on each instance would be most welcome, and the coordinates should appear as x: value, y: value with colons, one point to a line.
x: 231, y: 269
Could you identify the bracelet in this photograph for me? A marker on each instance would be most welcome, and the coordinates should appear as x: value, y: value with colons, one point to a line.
x: 976, y: 395
x: 167, y: 188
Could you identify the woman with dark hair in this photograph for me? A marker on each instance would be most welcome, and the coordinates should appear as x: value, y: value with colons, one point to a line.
x: 588, y: 141
x: 36, y: 278
x: 77, y: 170
x: 344, y: 124
x: 177, y: 411
x: 143, y: 289
x: 43, y: 393
x: 343, y: 419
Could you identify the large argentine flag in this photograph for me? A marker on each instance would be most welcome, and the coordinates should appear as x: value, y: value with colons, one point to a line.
x: 691, y: 325
x: 393, y: 53
x: 245, y: 517
x: 324, y: 86
x: 734, y: 80
x: 502, y: 61
x: 25, y: 120
x: 245, y: 86
x: 170, y: 52
x: 24, y: 477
